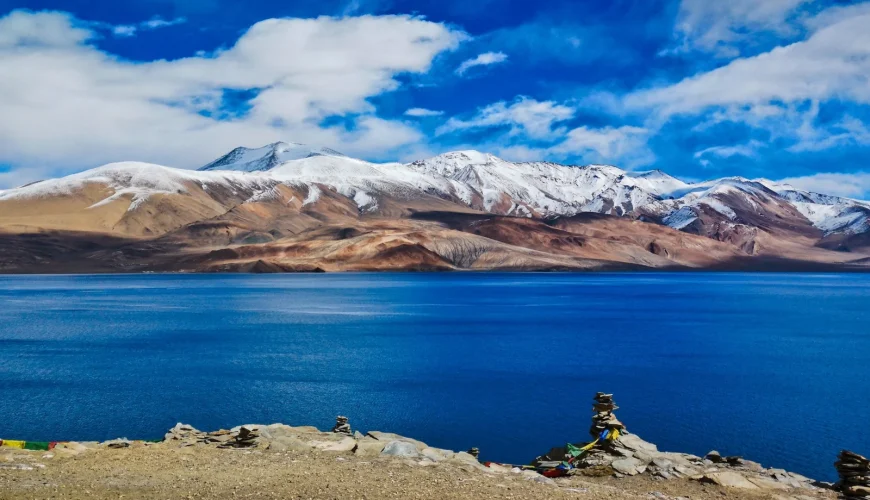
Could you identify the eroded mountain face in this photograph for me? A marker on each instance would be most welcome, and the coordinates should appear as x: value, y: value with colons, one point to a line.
x: 290, y: 207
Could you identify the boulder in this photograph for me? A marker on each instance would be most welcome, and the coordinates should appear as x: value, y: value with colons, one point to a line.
x: 644, y: 457
x: 714, y: 457
x: 727, y: 479
x: 306, y: 429
x: 343, y: 445
x: 436, y: 454
x: 684, y: 470
x: 398, y: 448
x: 767, y: 484
x: 369, y: 447
x: 465, y: 459
x: 634, y: 443
x: 288, y: 443
x: 663, y: 463
x: 388, y: 436
x: 499, y: 469
x: 627, y: 466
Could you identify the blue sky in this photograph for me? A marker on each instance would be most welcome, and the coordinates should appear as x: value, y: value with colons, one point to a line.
x: 777, y: 89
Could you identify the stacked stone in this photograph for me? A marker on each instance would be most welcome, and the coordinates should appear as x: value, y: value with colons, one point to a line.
x: 854, y: 471
x: 342, y: 426
x: 604, y: 419
x: 246, y: 438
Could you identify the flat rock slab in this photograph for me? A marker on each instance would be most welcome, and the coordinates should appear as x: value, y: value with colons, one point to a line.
x: 400, y: 449
x: 369, y: 447
x: 389, y: 436
x: 344, y: 445
x: 627, y: 466
x: 634, y: 443
x: 729, y: 480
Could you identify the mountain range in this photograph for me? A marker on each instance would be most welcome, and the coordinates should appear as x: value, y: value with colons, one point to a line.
x: 292, y: 207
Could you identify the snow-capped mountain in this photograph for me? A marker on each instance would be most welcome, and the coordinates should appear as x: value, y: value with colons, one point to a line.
x: 483, y: 182
x: 267, y: 157
x: 546, y: 189
x: 293, y: 207
x: 831, y: 214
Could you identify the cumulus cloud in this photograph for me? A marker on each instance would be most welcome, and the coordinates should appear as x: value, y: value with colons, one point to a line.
x: 852, y: 185
x: 485, y: 59
x: 422, y: 112
x: 779, y: 92
x: 524, y: 115
x: 65, y: 102
x: 833, y: 63
x: 719, y: 27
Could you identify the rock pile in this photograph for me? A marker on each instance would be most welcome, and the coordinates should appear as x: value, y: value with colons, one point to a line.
x: 342, y: 426
x: 625, y: 454
x: 246, y: 438
x: 854, y: 471
x: 604, y: 419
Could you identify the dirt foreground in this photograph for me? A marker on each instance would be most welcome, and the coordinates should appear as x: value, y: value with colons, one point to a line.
x: 305, y: 463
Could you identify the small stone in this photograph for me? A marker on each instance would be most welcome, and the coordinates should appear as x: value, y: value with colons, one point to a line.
x: 714, y: 457
x: 117, y: 443
x: 857, y: 491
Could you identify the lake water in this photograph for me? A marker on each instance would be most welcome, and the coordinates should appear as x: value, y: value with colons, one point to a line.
x: 774, y: 367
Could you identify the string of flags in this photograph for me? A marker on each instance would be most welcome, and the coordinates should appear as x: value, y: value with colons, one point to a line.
x: 28, y: 445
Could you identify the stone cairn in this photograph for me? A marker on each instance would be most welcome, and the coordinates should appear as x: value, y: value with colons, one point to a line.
x: 246, y: 438
x: 474, y: 452
x: 854, y: 471
x: 342, y: 426
x: 603, y: 418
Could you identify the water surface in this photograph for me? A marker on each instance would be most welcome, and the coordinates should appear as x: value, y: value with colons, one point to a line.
x: 774, y: 367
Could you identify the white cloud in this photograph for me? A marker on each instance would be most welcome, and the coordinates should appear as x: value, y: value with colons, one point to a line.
x: 833, y: 63
x: 485, y: 59
x: 66, y: 103
x: 128, y: 30
x: 626, y: 145
x: 48, y: 29
x: 533, y: 133
x: 748, y: 150
x: 848, y: 131
x: 834, y: 15
x: 720, y: 27
x: 422, y: 112
x: 124, y: 30
x: 853, y: 185
x: 158, y: 22
x: 523, y: 116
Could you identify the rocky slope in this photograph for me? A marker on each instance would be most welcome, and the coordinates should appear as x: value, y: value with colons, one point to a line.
x: 286, y: 207
x: 280, y: 461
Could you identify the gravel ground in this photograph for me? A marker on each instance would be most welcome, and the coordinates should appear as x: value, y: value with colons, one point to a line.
x: 160, y: 471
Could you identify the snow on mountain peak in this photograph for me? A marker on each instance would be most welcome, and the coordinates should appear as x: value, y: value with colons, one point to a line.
x: 267, y: 157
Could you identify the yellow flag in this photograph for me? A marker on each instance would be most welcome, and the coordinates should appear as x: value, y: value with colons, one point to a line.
x: 13, y: 444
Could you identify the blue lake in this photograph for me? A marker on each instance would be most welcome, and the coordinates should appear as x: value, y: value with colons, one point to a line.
x: 774, y: 367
